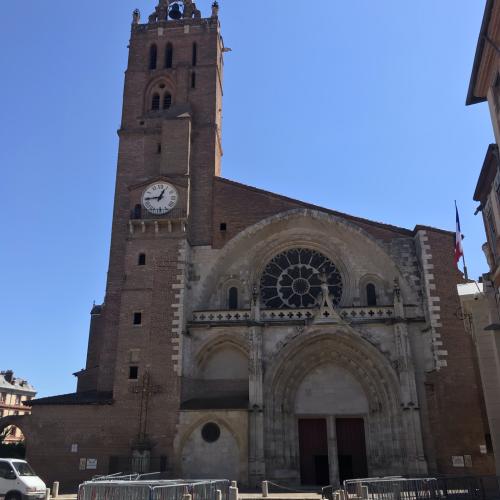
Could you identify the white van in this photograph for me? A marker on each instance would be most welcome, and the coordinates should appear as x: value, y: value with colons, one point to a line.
x: 18, y: 481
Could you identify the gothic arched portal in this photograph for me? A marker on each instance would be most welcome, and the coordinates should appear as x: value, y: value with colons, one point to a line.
x: 362, y: 385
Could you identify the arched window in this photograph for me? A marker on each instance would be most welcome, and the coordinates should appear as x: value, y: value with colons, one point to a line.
x: 167, y: 101
x: 155, y: 102
x: 169, y: 55
x: 233, y: 298
x: 153, y: 56
x: 371, y: 295
x: 193, y: 80
x: 141, y: 261
x: 137, y: 214
x: 195, y: 54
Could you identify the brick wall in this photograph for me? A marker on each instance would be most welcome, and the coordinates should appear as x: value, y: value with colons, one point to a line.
x: 454, y: 395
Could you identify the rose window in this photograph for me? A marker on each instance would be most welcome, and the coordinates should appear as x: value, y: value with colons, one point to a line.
x: 292, y: 279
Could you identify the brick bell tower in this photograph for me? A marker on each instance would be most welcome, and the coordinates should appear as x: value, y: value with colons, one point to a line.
x: 169, y: 151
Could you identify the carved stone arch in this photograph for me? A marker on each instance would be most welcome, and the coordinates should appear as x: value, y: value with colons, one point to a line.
x: 382, y: 289
x: 342, y: 341
x: 342, y: 347
x: 222, y: 341
x: 225, y: 285
x: 22, y: 422
x: 161, y: 85
x: 254, y: 245
x: 182, y: 438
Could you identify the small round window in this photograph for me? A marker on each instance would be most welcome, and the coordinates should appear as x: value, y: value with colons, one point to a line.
x: 210, y: 432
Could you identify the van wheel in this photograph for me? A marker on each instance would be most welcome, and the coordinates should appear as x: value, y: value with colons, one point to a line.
x: 13, y: 496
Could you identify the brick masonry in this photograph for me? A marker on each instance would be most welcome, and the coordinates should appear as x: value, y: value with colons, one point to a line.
x: 184, y: 252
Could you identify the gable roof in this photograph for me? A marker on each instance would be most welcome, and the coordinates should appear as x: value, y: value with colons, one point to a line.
x: 358, y: 220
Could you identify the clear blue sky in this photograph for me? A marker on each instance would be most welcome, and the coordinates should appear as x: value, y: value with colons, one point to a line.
x: 356, y: 105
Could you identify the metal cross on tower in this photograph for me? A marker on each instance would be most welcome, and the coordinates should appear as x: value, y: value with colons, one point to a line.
x: 146, y: 389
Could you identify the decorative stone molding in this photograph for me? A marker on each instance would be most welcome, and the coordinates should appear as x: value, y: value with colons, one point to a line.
x: 178, y: 322
x: 432, y: 301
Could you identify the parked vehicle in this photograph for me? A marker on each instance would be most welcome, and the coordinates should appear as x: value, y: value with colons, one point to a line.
x: 18, y: 481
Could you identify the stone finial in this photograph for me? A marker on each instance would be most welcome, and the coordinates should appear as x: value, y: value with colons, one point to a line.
x: 215, y: 9
x: 136, y: 16
x: 160, y: 13
x: 190, y: 10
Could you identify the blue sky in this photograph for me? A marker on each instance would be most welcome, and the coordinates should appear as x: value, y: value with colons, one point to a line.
x: 354, y: 105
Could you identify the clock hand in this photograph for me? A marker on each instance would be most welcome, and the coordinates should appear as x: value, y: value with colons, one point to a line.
x: 152, y: 198
x: 161, y: 195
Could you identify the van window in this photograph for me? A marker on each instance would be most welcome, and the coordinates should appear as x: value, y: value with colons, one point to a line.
x: 24, y: 469
x: 5, y: 468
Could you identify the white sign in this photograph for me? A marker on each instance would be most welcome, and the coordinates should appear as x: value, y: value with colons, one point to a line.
x: 74, y: 448
x: 83, y: 464
x: 458, y: 461
x: 483, y: 449
x: 468, y: 460
x: 91, y: 463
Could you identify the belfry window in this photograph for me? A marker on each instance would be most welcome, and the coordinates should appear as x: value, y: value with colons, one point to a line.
x: 141, y: 261
x: 371, y: 295
x: 133, y: 372
x: 195, y: 54
x: 169, y: 56
x: 167, y: 101
x: 233, y: 298
x: 137, y: 212
x: 137, y: 318
x: 155, y: 102
x: 193, y: 80
x: 153, y: 56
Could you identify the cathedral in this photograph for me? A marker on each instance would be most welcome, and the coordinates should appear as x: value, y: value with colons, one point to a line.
x: 246, y: 335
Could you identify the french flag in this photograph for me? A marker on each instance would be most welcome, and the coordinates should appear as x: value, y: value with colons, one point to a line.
x: 459, y: 251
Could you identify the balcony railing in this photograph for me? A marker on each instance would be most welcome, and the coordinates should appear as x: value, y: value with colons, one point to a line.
x: 350, y: 314
x: 140, y: 213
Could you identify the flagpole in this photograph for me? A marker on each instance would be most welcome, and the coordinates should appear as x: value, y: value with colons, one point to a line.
x: 466, y: 274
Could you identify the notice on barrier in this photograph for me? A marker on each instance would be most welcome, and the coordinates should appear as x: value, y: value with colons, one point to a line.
x: 91, y: 463
x: 458, y: 461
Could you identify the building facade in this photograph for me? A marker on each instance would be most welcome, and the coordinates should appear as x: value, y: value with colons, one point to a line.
x: 248, y: 335
x: 482, y: 312
x: 15, y: 397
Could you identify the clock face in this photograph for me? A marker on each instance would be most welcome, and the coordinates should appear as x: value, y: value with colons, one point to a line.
x: 160, y: 198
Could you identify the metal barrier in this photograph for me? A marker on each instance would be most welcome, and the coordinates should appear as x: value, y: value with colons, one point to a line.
x: 131, y: 487
x: 199, y: 490
x: 399, y: 488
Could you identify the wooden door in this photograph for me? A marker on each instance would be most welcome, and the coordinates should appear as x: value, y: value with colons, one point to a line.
x: 313, y: 445
x: 351, y: 447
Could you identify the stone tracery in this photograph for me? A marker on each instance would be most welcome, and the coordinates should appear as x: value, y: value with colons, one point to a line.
x: 292, y: 279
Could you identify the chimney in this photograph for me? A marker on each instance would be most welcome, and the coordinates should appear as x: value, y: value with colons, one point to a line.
x: 9, y: 376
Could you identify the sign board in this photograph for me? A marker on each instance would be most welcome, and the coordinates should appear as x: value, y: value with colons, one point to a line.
x: 483, y: 449
x: 83, y: 464
x: 91, y: 463
x: 74, y: 448
x: 468, y: 460
x: 458, y: 461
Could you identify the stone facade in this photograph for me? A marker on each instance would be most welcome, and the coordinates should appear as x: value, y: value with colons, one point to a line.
x: 241, y: 322
x: 485, y: 86
x: 15, y: 397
